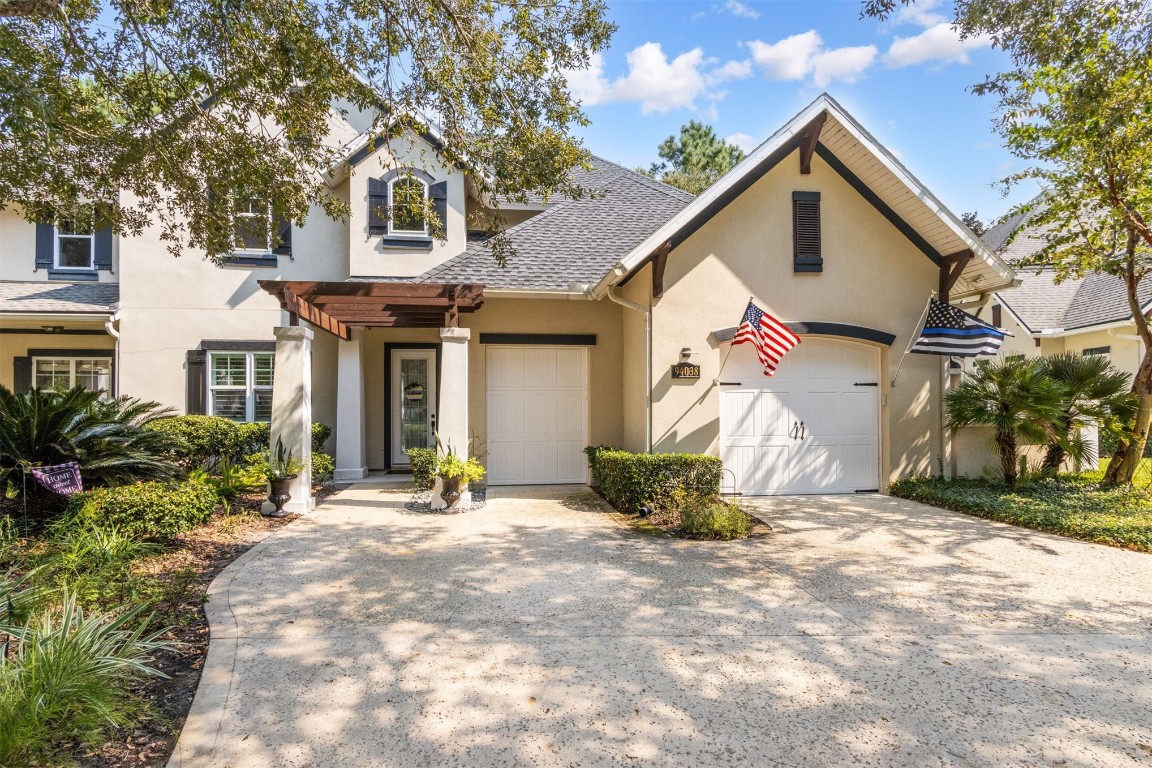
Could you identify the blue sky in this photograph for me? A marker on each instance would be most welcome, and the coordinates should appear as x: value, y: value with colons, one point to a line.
x: 745, y: 67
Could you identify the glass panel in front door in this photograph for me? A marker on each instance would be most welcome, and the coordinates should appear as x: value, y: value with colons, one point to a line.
x: 415, y: 396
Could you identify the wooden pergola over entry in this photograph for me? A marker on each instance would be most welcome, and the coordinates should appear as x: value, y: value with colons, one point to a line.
x: 339, y: 306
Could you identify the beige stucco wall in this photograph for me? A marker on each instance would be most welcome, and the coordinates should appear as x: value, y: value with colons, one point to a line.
x: 873, y: 277
x: 367, y: 255
x: 18, y: 250
x: 509, y: 315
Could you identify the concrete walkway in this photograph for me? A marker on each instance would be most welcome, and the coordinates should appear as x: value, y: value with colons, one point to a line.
x: 537, y: 632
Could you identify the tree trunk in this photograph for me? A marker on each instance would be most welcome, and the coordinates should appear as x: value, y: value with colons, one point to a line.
x: 1007, y: 443
x: 1122, y: 468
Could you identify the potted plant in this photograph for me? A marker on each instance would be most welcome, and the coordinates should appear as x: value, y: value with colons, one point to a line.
x: 280, y: 469
x: 455, y: 474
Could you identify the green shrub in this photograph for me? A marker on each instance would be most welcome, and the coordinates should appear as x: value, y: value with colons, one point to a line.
x: 424, y: 463
x: 323, y: 467
x: 666, y: 480
x: 146, y: 509
x: 320, y: 435
x: 721, y: 520
x: 202, y: 441
x: 593, y: 453
x: 70, y: 678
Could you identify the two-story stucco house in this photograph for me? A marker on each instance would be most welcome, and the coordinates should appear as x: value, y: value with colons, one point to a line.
x: 390, y: 335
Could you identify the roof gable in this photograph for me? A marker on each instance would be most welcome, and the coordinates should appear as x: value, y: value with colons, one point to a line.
x: 865, y: 164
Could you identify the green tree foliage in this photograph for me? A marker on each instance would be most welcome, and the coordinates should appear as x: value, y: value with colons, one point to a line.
x: 1093, y: 391
x: 1015, y: 397
x: 973, y: 222
x: 106, y: 437
x: 1076, y: 105
x: 695, y: 159
x: 183, y: 107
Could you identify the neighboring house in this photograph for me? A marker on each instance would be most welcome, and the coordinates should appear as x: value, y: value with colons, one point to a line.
x: 399, y: 336
x: 1087, y: 315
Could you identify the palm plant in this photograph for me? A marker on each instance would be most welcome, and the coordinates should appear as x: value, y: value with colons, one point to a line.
x: 1093, y: 391
x: 105, y: 436
x: 1015, y: 397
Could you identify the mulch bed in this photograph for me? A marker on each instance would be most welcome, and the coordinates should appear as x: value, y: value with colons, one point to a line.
x: 196, y: 558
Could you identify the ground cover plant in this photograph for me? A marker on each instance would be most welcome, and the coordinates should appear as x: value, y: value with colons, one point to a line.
x: 1070, y: 505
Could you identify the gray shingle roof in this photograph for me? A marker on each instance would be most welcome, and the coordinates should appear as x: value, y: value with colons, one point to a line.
x: 1039, y: 301
x: 58, y: 298
x: 573, y: 241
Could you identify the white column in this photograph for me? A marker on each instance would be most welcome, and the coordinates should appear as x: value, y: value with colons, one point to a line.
x: 452, y: 420
x: 292, y: 408
x: 350, y: 463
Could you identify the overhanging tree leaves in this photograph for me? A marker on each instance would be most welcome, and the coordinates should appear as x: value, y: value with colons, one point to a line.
x: 173, y: 109
x: 695, y: 159
x: 1077, y: 106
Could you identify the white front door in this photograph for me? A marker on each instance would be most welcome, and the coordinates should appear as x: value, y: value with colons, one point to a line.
x: 814, y: 427
x: 537, y: 414
x: 413, y: 414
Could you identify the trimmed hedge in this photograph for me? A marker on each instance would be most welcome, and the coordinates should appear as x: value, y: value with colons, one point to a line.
x: 147, y: 510
x: 424, y: 463
x: 665, y: 480
x: 202, y: 441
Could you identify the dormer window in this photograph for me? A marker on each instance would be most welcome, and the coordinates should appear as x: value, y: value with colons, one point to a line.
x: 251, y: 226
x: 74, y: 243
x: 408, y: 197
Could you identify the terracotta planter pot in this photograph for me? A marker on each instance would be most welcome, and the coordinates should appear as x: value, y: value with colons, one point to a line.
x: 278, y: 495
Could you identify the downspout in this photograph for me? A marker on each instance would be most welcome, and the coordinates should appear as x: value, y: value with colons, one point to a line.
x: 112, y: 327
x: 647, y: 312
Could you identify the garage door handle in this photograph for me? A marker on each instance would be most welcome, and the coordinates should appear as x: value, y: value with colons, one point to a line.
x: 794, y: 433
x: 801, y: 430
x: 866, y: 384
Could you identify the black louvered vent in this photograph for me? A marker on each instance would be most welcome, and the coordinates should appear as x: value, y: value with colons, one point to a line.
x: 806, y: 256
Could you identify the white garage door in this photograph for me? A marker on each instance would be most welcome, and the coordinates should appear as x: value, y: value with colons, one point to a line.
x: 814, y: 427
x: 537, y: 414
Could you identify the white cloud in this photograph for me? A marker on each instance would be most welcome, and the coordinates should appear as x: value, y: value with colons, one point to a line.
x: 740, y: 10
x: 659, y: 85
x: 804, y: 55
x: 742, y: 140
x: 921, y: 13
x: 788, y: 59
x: 845, y: 64
x: 939, y: 43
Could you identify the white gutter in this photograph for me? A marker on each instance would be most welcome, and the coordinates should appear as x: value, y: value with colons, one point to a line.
x: 647, y: 312
x: 112, y: 326
x: 41, y: 316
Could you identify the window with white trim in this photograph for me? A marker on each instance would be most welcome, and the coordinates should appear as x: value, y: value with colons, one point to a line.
x: 240, y: 385
x: 1093, y: 351
x: 74, y: 242
x: 409, y: 201
x: 93, y: 373
x: 251, y: 226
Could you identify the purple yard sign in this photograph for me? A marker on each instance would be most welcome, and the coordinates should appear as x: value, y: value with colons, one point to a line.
x: 62, y: 478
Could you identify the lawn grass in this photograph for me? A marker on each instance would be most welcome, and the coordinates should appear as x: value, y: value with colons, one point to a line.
x: 1070, y: 505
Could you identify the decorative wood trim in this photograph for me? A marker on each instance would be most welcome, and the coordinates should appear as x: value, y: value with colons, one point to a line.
x: 809, y: 138
x: 659, y: 262
x: 866, y: 192
x: 541, y: 339
x: 951, y: 270
x: 316, y: 316
x: 821, y: 328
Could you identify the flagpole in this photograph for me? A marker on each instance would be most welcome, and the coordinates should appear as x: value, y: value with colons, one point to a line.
x: 731, y: 344
x: 913, y: 338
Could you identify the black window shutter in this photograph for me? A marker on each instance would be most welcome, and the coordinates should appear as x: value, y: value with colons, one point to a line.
x: 997, y: 316
x: 284, y: 232
x: 197, y: 378
x: 102, y: 249
x: 21, y: 375
x: 377, y: 207
x: 438, y: 194
x: 806, y: 256
x: 45, y: 245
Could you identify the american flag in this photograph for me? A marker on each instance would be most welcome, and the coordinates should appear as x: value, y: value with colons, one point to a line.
x: 950, y: 331
x: 771, y: 337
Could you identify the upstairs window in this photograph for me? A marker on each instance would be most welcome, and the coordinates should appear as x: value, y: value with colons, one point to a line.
x: 806, y: 253
x: 251, y: 226
x: 75, y: 246
x: 408, y: 198
x: 240, y: 385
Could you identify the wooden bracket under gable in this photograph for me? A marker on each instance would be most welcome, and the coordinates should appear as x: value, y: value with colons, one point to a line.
x: 659, y: 262
x: 809, y: 138
x: 951, y: 269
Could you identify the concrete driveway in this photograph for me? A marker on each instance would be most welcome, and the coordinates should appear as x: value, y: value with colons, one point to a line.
x: 537, y: 632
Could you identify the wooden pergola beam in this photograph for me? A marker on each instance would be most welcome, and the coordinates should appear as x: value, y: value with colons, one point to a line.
x: 809, y: 138
x: 315, y: 315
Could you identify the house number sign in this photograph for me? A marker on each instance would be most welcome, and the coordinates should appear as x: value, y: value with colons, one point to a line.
x: 685, y: 371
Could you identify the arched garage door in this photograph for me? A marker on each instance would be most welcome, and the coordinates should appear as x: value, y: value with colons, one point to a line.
x: 814, y: 427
